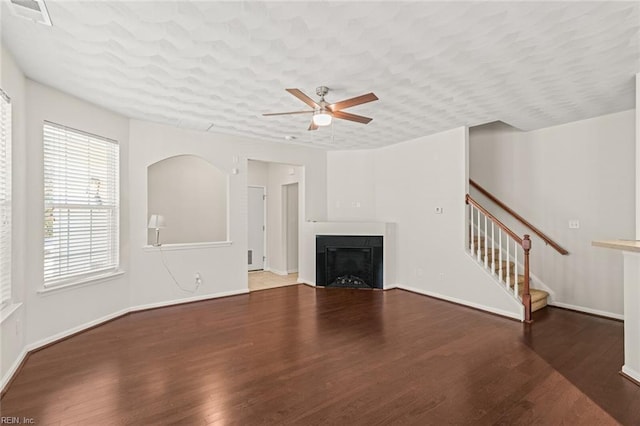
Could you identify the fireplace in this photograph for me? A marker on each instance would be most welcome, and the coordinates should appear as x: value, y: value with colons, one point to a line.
x: 349, y: 261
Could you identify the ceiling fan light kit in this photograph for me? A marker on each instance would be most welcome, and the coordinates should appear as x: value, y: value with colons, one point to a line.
x: 324, y: 112
x: 321, y: 118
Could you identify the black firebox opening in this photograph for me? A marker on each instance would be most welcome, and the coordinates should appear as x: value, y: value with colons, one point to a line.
x: 349, y: 261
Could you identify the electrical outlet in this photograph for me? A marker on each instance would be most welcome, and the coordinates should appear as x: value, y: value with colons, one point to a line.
x: 574, y: 224
x: 198, y: 278
x: 441, y: 276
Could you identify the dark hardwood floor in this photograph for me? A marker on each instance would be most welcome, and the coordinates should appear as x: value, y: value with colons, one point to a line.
x: 296, y: 355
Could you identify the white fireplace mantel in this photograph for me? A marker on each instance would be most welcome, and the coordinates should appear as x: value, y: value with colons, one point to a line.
x: 384, y: 229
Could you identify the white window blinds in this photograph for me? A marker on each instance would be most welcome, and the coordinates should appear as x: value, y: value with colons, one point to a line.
x: 5, y: 199
x: 81, y: 205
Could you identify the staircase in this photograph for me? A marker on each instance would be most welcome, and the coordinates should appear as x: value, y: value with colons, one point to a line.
x: 499, y: 250
x: 502, y: 268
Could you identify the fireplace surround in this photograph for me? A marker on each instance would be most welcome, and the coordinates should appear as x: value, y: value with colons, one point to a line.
x: 349, y: 261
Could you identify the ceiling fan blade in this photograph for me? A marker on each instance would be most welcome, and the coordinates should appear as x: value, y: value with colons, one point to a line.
x: 287, y: 113
x: 362, y: 99
x: 304, y: 98
x: 312, y: 126
x: 351, y: 117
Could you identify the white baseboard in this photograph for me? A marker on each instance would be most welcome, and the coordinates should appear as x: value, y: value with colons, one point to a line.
x: 463, y: 302
x: 58, y: 336
x: 187, y: 300
x: 631, y: 373
x: 306, y: 281
x: 292, y: 271
x: 13, y: 370
x: 276, y: 271
x: 587, y: 310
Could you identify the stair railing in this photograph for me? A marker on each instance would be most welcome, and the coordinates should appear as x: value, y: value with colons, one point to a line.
x: 485, y: 231
x: 522, y: 220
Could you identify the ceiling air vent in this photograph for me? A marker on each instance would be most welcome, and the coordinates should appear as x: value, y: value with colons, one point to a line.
x: 33, y: 10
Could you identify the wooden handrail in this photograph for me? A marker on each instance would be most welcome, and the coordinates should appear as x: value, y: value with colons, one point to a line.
x: 501, y: 225
x: 526, y: 293
x: 522, y: 220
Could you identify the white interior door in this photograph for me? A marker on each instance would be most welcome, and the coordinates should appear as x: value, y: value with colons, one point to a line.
x: 256, y: 228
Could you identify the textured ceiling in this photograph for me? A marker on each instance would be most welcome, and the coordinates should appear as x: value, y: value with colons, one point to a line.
x: 434, y: 66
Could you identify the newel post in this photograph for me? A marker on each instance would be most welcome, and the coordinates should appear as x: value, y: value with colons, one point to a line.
x: 526, y: 296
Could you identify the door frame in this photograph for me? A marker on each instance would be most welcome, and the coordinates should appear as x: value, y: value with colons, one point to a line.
x: 264, y: 223
x: 285, y: 225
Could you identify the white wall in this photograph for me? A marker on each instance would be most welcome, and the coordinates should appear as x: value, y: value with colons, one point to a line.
x: 223, y: 269
x: 409, y: 180
x: 55, y: 312
x: 357, y: 200
x: 192, y: 196
x: 638, y: 156
x: 582, y: 170
x: 12, y: 331
x: 258, y: 173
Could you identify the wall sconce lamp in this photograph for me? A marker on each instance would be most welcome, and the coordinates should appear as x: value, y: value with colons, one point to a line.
x: 156, y: 222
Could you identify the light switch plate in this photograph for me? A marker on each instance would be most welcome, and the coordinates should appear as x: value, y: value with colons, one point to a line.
x: 438, y: 210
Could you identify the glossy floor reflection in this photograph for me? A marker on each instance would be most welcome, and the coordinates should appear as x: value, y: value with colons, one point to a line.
x: 305, y: 356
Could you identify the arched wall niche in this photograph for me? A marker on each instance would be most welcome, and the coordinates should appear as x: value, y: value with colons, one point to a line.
x: 192, y: 195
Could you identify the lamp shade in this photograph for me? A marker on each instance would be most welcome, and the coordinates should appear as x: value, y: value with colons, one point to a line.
x: 156, y: 221
x: 322, y: 118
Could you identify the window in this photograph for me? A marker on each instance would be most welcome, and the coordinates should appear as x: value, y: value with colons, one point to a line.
x: 81, y: 205
x: 5, y: 199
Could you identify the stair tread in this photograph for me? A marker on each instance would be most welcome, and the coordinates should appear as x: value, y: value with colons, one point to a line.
x: 536, y: 294
x: 538, y: 297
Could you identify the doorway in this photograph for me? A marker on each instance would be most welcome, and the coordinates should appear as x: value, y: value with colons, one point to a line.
x: 257, y: 228
x: 275, y: 191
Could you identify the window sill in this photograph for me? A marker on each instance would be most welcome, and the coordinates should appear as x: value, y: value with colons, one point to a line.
x: 8, y: 310
x: 188, y: 246
x: 95, y: 279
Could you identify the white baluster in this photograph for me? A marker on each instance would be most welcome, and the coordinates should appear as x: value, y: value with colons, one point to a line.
x: 471, y: 217
x: 478, y: 254
x: 508, y: 257
x: 515, y: 268
x: 493, y: 248
x: 486, y: 242
x: 500, y: 248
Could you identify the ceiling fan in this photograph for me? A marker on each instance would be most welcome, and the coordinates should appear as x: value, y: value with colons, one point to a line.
x: 323, y: 112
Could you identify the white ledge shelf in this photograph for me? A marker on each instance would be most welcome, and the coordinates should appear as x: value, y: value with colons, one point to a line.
x: 188, y: 246
x: 81, y: 282
x: 625, y: 245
